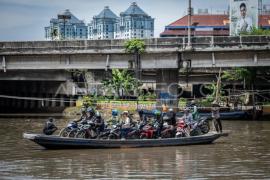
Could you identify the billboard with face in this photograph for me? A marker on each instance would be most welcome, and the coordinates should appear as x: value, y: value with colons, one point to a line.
x: 243, y: 15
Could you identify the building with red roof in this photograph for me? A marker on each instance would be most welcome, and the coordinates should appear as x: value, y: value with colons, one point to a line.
x: 209, y: 25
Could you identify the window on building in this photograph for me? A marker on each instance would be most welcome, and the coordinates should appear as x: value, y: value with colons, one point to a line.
x: 134, y: 34
x: 141, y: 31
x: 107, y: 37
x: 62, y: 29
x: 107, y: 27
x: 128, y: 25
x: 80, y: 36
x: 152, y: 25
x: 141, y: 35
x: 151, y: 34
x: 135, y: 24
x: 80, y: 29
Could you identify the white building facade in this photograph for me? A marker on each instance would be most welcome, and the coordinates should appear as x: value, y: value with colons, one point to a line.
x: 133, y: 23
x: 74, y: 29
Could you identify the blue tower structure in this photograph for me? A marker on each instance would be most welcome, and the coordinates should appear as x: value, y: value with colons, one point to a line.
x: 102, y: 25
x: 74, y: 28
x: 134, y: 23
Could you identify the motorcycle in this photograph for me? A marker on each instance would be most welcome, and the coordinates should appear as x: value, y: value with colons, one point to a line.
x: 194, y: 130
x: 203, y: 124
x: 180, y: 129
x: 149, y: 132
x: 115, y: 131
x: 89, y: 132
x: 71, y: 126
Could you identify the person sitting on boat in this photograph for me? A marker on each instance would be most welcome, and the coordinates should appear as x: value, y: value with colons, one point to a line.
x: 49, y: 127
x: 125, y: 125
x: 91, y: 115
x: 99, y: 124
x: 194, y: 110
x: 159, y: 120
x: 128, y: 115
x: 188, y: 118
x: 115, y: 118
x: 84, y: 117
x: 172, y: 117
x: 142, y: 115
x: 216, y: 116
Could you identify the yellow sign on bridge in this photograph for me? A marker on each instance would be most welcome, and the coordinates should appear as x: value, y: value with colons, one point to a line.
x: 54, y: 32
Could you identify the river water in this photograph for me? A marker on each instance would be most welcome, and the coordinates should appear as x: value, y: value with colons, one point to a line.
x: 245, y: 154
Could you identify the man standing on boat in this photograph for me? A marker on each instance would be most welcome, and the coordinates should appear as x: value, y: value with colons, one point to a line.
x: 216, y: 117
x: 125, y: 125
x: 188, y: 118
x: 142, y: 116
x: 172, y: 118
x: 49, y: 127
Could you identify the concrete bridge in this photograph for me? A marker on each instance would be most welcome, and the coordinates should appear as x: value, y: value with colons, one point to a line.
x: 22, y: 60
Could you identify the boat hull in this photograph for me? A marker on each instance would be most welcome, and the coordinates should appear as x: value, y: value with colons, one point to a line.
x: 56, y: 142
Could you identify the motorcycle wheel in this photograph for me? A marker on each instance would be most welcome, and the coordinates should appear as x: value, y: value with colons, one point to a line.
x: 205, y: 129
x: 80, y: 134
x: 143, y: 136
x: 72, y: 133
x: 111, y: 137
x: 63, y: 133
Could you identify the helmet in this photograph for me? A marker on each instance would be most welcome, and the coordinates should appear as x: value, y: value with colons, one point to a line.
x: 214, y: 103
x: 157, y: 113
x: 114, y: 112
x: 83, y: 110
x: 140, y: 111
x: 154, y: 112
x: 92, y: 111
x: 97, y: 114
x: 126, y: 111
x: 187, y: 109
x: 50, y: 119
x: 171, y: 109
x: 192, y: 102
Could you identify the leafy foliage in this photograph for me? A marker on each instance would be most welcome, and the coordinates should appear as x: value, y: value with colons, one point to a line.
x: 88, y: 100
x: 254, y: 31
x: 147, y: 97
x: 213, y: 89
x: 185, y: 70
x: 133, y: 45
x: 120, y: 81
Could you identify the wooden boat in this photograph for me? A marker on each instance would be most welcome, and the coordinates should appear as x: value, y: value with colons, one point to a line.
x: 56, y: 142
x: 223, y: 115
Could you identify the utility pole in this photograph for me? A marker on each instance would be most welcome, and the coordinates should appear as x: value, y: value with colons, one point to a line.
x: 189, y: 22
x: 64, y: 17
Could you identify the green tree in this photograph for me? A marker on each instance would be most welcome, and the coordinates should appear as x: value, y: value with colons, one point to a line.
x: 254, y: 31
x: 213, y: 89
x: 135, y: 46
x: 120, y: 81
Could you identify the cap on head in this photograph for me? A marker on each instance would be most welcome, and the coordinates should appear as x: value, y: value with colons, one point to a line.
x: 171, y: 109
x: 192, y: 102
x: 214, y: 103
x: 124, y: 113
x: 187, y: 109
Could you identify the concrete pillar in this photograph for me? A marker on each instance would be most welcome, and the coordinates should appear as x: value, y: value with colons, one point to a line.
x: 33, y: 102
x: 25, y: 102
x: 71, y: 103
x: 19, y: 101
x: 47, y: 103
x: 14, y: 101
x: 53, y: 102
x: 167, y: 88
x: 62, y: 103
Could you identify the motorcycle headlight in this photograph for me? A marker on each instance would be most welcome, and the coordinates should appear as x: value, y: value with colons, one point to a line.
x: 69, y: 125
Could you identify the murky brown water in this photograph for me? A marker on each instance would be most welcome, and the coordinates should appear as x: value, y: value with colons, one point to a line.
x: 245, y: 154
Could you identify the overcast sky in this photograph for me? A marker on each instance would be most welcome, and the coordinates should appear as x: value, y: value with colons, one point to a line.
x: 24, y: 20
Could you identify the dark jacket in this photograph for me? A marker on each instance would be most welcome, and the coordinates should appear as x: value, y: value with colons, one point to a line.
x: 160, y: 121
x: 143, y: 118
x: 172, y: 118
x: 100, y: 122
x: 90, y: 117
x: 49, y: 126
x: 83, y: 117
